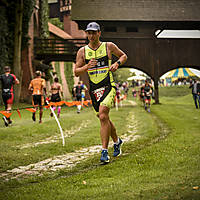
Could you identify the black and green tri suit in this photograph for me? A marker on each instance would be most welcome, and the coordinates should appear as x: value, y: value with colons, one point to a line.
x: 102, y: 86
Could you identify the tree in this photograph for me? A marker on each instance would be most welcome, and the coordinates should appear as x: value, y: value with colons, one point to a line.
x: 17, y: 46
x: 122, y: 74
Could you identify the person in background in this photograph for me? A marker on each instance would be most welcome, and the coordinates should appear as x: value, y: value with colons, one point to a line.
x: 38, y: 88
x: 78, y: 94
x: 96, y: 59
x: 8, y: 80
x: 195, y: 85
x: 84, y: 89
x: 56, y: 94
x: 146, y: 92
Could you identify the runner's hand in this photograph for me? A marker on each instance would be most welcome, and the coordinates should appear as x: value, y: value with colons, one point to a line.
x: 92, y: 63
x: 114, y: 67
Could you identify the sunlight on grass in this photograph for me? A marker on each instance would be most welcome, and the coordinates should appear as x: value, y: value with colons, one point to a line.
x: 158, y: 165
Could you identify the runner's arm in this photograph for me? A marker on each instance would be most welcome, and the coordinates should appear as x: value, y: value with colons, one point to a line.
x: 30, y: 86
x: 114, y: 49
x: 80, y: 66
x: 44, y: 86
x: 61, y: 91
x: 16, y: 81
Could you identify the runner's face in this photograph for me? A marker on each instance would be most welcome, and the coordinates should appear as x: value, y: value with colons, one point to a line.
x: 93, y: 36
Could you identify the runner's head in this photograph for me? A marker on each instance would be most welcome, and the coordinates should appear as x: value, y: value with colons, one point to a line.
x: 6, y: 69
x: 38, y: 73
x: 93, y: 31
x: 56, y: 79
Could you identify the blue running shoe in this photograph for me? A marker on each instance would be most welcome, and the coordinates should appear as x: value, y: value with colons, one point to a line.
x: 117, y: 149
x: 104, y: 157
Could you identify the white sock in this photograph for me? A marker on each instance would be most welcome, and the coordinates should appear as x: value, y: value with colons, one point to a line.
x: 117, y: 141
x: 104, y: 149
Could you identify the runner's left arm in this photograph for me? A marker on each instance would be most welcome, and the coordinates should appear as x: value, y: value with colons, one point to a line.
x: 115, y: 50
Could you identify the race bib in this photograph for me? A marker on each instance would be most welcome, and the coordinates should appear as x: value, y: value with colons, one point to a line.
x: 99, y: 93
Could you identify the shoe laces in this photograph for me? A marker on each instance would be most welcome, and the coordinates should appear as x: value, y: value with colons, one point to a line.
x: 104, y: 153
x: 116, y: 147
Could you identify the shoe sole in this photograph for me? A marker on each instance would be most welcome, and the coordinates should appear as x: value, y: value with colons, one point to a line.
x: 105, y: 161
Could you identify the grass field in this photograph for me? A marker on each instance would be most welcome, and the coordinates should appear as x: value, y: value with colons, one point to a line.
x: 160, y: 160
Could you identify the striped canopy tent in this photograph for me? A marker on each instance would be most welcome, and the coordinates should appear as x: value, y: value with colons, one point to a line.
x: 180, y: 73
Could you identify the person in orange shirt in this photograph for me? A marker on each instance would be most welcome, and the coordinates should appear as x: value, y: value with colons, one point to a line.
x: 38, y: 88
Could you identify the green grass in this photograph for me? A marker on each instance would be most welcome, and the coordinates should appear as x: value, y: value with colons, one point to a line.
x: 162, y: 164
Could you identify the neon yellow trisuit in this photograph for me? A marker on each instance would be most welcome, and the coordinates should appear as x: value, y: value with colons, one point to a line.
x: 102, y: 86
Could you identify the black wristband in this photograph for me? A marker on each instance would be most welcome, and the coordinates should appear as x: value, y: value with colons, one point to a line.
x: 118, y: 62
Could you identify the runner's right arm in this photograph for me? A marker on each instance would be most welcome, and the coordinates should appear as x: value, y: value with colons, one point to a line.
x: 81, y: 66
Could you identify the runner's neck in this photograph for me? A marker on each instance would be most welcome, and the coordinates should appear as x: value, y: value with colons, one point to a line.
x: 94, y: 45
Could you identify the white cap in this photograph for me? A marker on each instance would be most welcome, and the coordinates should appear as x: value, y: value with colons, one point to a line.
x: 93, y: 26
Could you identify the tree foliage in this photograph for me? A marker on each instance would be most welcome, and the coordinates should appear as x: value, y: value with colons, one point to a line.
x: 122, y: 74
x: 7, y: 27
x: 69, y: 75
x: 44, y: 16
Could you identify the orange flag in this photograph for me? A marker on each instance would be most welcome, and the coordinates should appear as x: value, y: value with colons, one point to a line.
x: 6, y: 114
x: 69, y: 104
x: 19, y: 113
x: 85, y: 103
x: 60, y: 103
x: 31, y: 109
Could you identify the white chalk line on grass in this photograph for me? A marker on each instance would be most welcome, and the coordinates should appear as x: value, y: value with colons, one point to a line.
x: 54, y: 139
x: 68, y: 160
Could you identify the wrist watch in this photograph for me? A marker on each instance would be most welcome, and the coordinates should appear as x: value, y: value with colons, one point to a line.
x: 118, y: 62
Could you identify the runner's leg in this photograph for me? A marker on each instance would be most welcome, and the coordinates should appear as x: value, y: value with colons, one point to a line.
x: 41, y: 112
x: 59, y: 109
x: 9, y: 108
x: 113, y: 133
x: 105, y: 130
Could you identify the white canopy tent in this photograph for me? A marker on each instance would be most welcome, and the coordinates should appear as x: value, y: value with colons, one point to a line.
x: 137, y: 77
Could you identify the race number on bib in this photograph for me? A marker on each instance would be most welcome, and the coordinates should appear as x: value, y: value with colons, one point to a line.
x: 99, y: 93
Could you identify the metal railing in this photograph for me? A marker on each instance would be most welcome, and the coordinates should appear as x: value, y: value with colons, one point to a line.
x: 55, y: 47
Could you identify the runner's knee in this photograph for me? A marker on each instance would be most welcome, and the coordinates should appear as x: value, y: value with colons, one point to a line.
x: 103, y: 117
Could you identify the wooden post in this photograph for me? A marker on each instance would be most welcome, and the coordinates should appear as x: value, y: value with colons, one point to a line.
x: 156, y: 90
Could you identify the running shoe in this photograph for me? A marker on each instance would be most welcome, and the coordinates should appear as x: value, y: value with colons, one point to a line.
x: 9, y: 121
x: 5, y: 121
x: 117, y: 149
x: 51, y: 114
x: 104, y: 157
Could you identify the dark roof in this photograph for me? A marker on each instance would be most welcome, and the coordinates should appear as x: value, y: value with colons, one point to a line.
x: 136, y: 10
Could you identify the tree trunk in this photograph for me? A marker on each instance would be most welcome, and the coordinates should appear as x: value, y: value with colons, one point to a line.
x: 66, y: 93
x: 17, y: 47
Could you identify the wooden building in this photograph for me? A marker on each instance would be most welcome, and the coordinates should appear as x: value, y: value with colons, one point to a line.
x: 133, y: 24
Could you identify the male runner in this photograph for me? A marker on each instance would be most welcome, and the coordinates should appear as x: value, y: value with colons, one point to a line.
x: 8, y: 80
x: 146, y: 92
x: 37, y: 86
x: 83, y: 92
x: 78, y: 94
x: 96, y: 60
